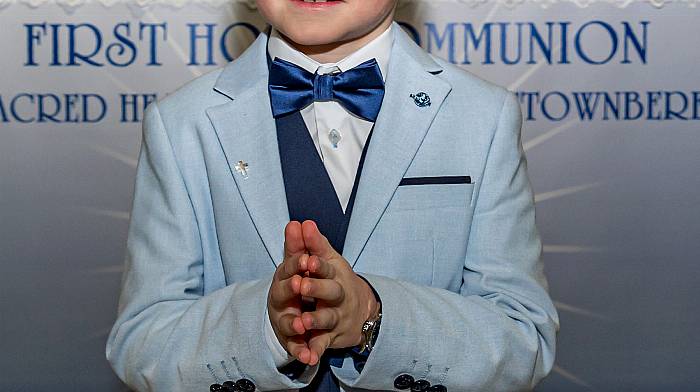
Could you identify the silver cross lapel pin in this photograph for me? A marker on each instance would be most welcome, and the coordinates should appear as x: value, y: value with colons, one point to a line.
x: 242, y: 167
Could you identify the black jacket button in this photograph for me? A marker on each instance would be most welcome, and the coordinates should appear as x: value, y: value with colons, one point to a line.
x: 403, y: 381
x: 229, y: 386
x: 216, y: 388
x: 420, y: 386
x: 245, y: 385
x: 438, y: 388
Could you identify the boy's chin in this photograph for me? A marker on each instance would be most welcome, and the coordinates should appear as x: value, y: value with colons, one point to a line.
x: 312, y: 38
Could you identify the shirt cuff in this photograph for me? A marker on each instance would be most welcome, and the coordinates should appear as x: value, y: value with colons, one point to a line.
x: 279, y: 354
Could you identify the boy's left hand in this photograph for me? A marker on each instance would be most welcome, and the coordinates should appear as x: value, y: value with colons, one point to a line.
x: 344, y: 301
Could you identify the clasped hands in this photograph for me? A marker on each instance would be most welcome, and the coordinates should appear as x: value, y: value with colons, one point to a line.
x: 316, y: 301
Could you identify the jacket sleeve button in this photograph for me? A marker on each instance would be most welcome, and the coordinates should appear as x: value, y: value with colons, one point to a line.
x: 438, y: 388
x: 216, y: 388
x: 245, y: 385
x: 420, y: 386
x: 403, y: 381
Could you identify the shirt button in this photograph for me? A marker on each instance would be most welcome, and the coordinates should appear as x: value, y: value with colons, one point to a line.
x: 334, y: 136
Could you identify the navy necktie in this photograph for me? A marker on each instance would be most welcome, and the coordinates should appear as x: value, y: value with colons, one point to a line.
x: 359, y: 90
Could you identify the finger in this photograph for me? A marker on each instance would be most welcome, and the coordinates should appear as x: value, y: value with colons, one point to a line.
x: 324, y: 289
x: 320, y: 268
x: 297, y: 347
x: 290, y: 325
x: 325, y: 318
x: 294, y: 250
x: 318, y: 345
x: 281, y: 292
x: 316, y: 243
x: 294, y: 265
x: 293, y: 239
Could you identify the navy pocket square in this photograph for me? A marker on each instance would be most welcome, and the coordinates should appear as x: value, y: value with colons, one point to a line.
x: 435, y: 180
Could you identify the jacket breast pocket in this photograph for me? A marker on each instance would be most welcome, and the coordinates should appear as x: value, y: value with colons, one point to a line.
x: 426, y: 196
x: 423, y: 233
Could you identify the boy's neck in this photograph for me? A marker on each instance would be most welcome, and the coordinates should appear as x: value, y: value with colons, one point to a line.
x: 336, y: 51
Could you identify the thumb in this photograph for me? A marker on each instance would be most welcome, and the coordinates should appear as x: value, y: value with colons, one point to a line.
x: 316, y: 243
x: 318, y: 344
x: 293, y: 240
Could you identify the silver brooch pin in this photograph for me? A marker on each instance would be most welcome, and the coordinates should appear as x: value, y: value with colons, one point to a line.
x: 242, y: 167
x: 421, y: 99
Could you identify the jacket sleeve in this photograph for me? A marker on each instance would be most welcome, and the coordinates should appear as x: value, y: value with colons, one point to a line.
x: 498, y: 333
x: 168, y: 335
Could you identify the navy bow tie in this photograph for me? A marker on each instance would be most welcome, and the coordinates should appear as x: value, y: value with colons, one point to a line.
x: 360, y: 90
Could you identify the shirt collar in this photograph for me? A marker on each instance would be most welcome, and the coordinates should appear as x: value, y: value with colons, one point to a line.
x: 379, y: 49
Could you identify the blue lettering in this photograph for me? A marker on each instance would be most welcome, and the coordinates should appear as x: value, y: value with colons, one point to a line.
x: 208, y: 38
x: 610, y: 106
x: 545, y: 48
x: 55, y: 45
x: 33, y: 37
x: 73, y: 54
x: 224, y: 37
x: 471, y: 36
x: 3, y: 114
x: 121, y: 46
x: 531, y: 98
x: 586, y: 103
x: 447, y: 35
x: 70, y: 100
x: 152, y: 43
x: 13, y: 108
x: 640, y: 47
x: 564, y: 43
x: 103, y: 108
x: 133, y: 106
x: 564, y: 102
x: 504, y: 44
x: 670, y: 112
x: 632, y: 97
x: 613, y: 42
x: 43, y: 102
x: 653, y: 98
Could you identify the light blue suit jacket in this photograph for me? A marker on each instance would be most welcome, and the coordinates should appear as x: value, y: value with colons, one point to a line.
x: 457, y: 266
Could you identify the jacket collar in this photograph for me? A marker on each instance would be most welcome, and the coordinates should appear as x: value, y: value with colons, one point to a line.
x: 253, y: 63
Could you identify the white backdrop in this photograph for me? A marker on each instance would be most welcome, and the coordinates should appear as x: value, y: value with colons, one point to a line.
x: 611, y: 96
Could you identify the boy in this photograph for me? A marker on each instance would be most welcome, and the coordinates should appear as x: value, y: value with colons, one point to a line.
x: 417, y: 263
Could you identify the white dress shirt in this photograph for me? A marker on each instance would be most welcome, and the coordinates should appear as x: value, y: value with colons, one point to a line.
x: 341, y: 159
x: 341, y: 162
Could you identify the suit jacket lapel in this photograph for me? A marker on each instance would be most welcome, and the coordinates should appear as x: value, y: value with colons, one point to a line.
x: 246, y: 130
x: 397, y: 135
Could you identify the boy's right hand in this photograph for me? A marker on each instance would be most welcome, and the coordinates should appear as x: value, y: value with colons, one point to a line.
x: 284, y: 301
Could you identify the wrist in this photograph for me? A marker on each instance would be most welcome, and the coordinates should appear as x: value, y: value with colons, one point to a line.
x: 373, y: 307
x: 372, y: 319
x: 371, y: 300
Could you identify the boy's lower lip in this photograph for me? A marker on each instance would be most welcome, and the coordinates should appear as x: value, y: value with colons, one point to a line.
x: 317, y: 5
